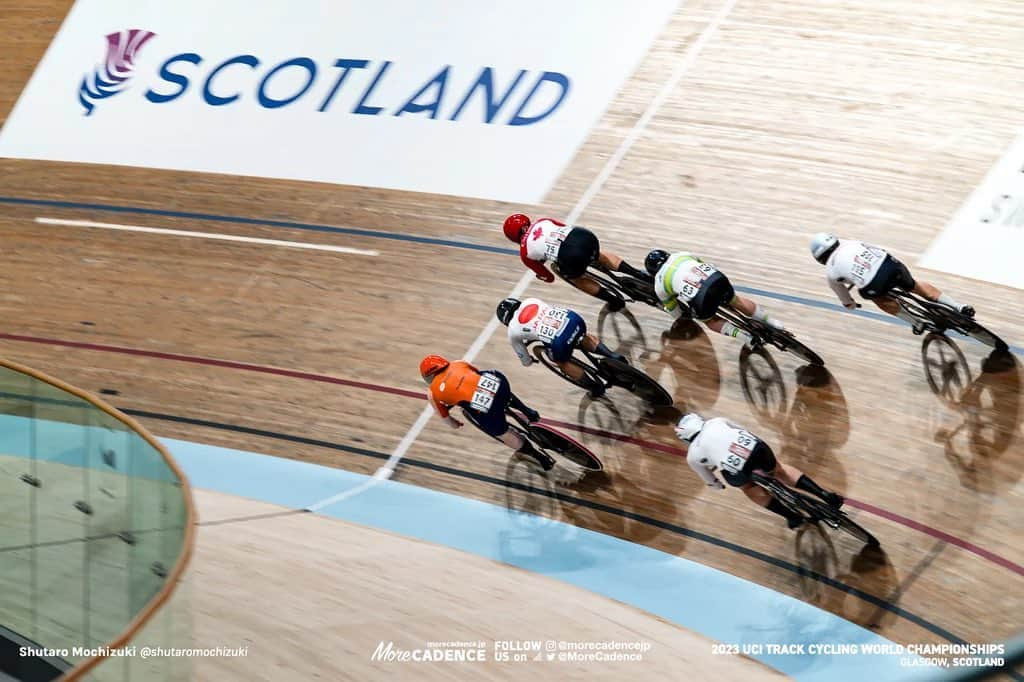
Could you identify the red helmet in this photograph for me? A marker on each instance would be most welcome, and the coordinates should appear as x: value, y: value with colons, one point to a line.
x: 431, y: 365
x: 514, y: 226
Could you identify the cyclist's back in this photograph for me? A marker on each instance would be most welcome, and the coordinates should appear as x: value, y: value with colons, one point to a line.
x: 455, y: 385
x: 854, y: 263
x: 536, y: 321
x: 722, y: 446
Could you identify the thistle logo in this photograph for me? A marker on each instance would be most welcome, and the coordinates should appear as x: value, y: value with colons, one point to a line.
x: 110, y: 78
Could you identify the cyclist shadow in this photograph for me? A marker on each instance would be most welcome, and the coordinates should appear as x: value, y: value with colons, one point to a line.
x: 989, y: 411
x: 611, y: 429
x: 687, y: 366
x: 814, y: 424
x: 869, y: 570
x: 532, y: 535
x: 610, y: 507
x: 621, y: 330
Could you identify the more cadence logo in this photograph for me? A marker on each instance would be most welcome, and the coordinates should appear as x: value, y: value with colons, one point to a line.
x: 111, y: 77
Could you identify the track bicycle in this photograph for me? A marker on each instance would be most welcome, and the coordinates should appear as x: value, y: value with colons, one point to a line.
x: 627, y: 288
x: 937, y: 318
x: 599, y: 370
x: 554, y: 443
x: 765, y: 334
x: 811, y: 508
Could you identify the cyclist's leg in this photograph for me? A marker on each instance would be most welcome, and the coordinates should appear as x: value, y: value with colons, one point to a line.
x: 560, y: 348
x: 932, y: 293
x: 571, y: 335
x: 792, y: 476
x: 906, y: 281
x: 589, y: 285
x: 715, y: 292
x: 761, y: 458
x: 753, y: 310
x: 577, y: 252
x: 615, y: 262
x: 592, y: 344
x: 498, y: 419
x: 890, y: 305
x: 891, y: 275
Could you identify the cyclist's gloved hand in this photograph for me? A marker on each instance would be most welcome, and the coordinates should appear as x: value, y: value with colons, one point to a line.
x: 531, y: 415
x: 717, y: 485
x: 454, y: 423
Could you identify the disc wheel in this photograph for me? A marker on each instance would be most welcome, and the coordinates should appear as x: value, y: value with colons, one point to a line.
x: 636, y: 382
x: 556, y: 441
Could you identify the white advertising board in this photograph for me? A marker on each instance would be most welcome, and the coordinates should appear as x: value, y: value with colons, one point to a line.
x: 985, y: 239
x: 463, y: 97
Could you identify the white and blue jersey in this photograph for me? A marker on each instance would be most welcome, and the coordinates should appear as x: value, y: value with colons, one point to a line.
x: 559, y: 329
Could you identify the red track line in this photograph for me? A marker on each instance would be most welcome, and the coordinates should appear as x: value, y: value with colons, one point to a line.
x: 309, y: 376
x: 941, y: 535
x: 199, y: 360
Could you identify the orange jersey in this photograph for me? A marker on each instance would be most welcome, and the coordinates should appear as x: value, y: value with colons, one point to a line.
x: 456, y: 384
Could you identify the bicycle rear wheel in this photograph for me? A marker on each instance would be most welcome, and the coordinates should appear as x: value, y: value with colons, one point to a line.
x: 550, y: 439
x: 636, y: 382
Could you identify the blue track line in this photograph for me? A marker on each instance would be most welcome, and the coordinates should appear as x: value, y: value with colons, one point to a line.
x: 397, y: 236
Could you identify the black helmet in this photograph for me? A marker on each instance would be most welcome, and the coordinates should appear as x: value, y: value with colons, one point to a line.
x: 655, y: 259
x: 506, y: 309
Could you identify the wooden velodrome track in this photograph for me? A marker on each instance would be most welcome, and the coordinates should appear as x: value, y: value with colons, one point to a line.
x: 872, y: 119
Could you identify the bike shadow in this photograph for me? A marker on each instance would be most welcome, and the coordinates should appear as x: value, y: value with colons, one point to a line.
x: 535, y: 534
x: 686, y: 364
x: 869, y: 570
x: 985, y: 448
x: 621, y: 330
x: 608, y: 503
x: 681, y: 358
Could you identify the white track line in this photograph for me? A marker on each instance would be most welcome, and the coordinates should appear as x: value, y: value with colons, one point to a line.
x: 682, y: 67
x: 207, y: 235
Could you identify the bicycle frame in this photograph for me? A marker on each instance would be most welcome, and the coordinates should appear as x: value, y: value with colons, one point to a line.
x: 916, y: 307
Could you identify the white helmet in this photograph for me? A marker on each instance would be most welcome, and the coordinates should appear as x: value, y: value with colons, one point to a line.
x: 821, y: 243
x: 689, y: 426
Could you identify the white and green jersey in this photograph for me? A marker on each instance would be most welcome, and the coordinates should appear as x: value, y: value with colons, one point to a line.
x: 679, y: 279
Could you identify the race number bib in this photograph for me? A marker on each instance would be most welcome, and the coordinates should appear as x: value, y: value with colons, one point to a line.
x: 694, y: 279
x: 865, y: 262
x: 554, y: 243
x: 486, y: 388
x: 551, y: 324
x: 739, y: 450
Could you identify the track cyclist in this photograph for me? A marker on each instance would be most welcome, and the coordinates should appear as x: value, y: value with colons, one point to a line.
x: 683, y: 281
x: 570, y: 250
x: 483, y: 395
x: 875, y: 273
x: 560, y: 330
x: 719, y: 445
